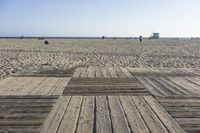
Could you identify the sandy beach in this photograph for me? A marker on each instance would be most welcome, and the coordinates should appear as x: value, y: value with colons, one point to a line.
x: 18, y: 54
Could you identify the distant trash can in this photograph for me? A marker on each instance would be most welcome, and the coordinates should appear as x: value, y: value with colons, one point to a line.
x: 46, y: 42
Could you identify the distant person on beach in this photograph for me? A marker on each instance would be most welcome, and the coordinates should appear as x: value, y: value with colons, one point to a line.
x: 140, y: 39
x: 46, y: 42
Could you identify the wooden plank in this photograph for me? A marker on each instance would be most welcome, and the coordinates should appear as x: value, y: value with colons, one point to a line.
x: 21, y: 114
x: 12, y: 89
x: 174, y: 85
x: 118, y: 117
x: 71, y: 116
x: 104, y: 81
x: 179, y: 104
x: 169, y: 87
x: 106, y: 73
x: 19, y: 123
x: 148, y: 86
x: 19, y: 129
x: 188, y: 121
x: 91, y: 71
x: 185, y: 84
x: 177, y: 109
x: 27, y: 97
x: 10, y: 84
x: 72, y: 89
x: 24, y: 100
x: 27, y: 89
x: 86, y: 119
x: 195, y: 80
x: 126, y: 72
x: 77, y: 72
x: 150, y: 118
x: 83, y: 72
x: 99, y: 73
x: 53, y: 120
x: 50, y: 86
x: 103, y: 120
x: 120, y: 73
x: 134, y: 118
x: 169, y: 123
x: 20, y: 109
x: 113, y: 72
x: 57, y: 85
x: 6, y: 81
x: 158, y: 87
x: 37, y: 90
x: 178, y: 100
x: 59, y: 89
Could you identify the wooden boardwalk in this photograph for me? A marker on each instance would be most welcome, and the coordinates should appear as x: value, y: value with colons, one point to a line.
x: 101, y: 100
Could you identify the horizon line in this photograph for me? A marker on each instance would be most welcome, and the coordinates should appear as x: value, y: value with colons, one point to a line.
x: 130, y: 37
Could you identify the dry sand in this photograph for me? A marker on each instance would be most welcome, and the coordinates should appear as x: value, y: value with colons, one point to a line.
x: 19, y: 54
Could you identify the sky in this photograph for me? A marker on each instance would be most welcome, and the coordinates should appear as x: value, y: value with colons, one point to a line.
x: 171, y: 18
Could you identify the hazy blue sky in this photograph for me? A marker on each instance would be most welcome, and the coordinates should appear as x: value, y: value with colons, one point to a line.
x: 99, y: 17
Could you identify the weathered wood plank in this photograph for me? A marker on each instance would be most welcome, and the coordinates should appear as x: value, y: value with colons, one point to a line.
x: 103, y: 120
x: 159, y: 88
x: 188, y: 121
x: 169, y: 123
x: 126, y: 72
x: 91, y: 71
x: 150, y: 118
x: 120, y: 73
x: 11, y: 88
x: 59, y: 89
x: 51, y: 85
x: 195, y: 80
x: 11, y: 84
x: 169, y: 87
x: 118, y: 117
x: 35, y: 83
x: 182, y: 82
x: 99, y: 73
x: 134, y: 118
x: 6, y: 81
x: 19, y: 129
x: 24, y: 109
x: 71, y: 116
x: 106, y: 73
x: 175, y: 86
x: 86, y: 118
x: 37, y: 90
x: 148, y: 86
x: 113, y: 72
x: 83, y: 72
x: 77, y: 72
x: 53, y: 120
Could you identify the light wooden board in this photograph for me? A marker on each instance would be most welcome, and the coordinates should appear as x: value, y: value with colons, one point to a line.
x: 33, y: 85
x: 54, y: 119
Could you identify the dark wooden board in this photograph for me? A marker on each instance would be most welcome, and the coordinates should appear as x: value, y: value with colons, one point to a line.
x: 24, y: 114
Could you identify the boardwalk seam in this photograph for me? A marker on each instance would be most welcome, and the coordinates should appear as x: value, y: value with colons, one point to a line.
x: 156, y: 114
x: 79, y: 114
x: 94, y: 115
x: 140, y: 114
x: 109, y: 110
x: 125, y: 115
x: 63, y: 114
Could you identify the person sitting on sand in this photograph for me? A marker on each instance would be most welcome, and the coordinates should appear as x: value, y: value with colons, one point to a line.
x: 46, y: 42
